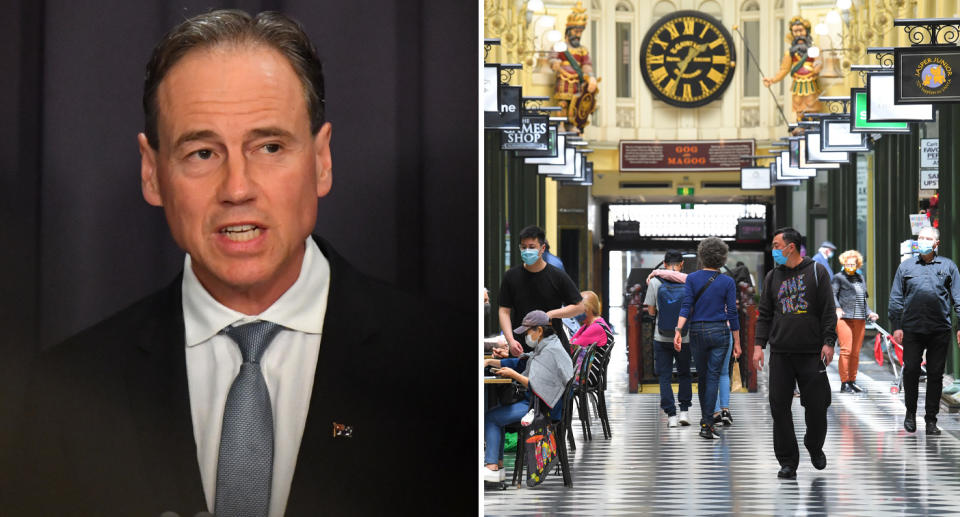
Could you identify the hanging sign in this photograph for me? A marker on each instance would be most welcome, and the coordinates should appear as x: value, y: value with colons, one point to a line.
x: 684, y: 155
x: 859, y: 122
x: 881, y: 106
x: 549, y: 152
x: 755, y: 178
x: 836, y: 136
x: 929, y: 153
x: 927, y: 74
x: 534, y: 135
x: 917, y: 222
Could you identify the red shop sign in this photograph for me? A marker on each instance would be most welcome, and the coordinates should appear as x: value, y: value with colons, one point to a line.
x: 684, y: 155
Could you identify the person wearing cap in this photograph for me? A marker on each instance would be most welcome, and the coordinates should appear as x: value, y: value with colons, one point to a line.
x: 825, y: 253
x: 545, y: 373
x: 664, y: 354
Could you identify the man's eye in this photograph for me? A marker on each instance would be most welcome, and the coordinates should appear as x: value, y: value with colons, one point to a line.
x: 203, y: 154
x: 271, y: 148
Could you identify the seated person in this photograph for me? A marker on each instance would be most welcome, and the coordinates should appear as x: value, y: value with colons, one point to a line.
x: 546, y: 371
x: 594, y: 329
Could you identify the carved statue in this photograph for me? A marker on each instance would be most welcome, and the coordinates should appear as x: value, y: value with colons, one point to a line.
x: 576, y: 84
x: 803, y: 68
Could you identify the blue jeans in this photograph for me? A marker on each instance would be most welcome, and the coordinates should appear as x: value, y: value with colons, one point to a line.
x: 709, y: 341
x: 664, y: 355
x: 723, y: 398
x: 493, y: 424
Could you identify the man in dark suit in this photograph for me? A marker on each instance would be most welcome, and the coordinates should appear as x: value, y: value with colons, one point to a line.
x: 171, y: 405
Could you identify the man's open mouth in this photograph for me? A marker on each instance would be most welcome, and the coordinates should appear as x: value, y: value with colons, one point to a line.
x: 241, y: 232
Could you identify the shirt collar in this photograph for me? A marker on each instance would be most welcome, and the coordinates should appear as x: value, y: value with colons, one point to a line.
x: 301, y: 307
x: 936, y: 259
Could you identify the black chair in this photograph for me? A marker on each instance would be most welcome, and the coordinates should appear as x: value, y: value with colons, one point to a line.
x: 560, y: 428
x: 580, y: 389
x: 597, y: 383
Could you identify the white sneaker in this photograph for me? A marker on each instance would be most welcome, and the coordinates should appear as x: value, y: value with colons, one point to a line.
x: 684, y: 418
x: 493, y: 476
x: 672, y: 421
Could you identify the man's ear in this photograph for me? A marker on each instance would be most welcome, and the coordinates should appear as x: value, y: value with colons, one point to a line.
x: 324, y: 159
x: 149, y: 184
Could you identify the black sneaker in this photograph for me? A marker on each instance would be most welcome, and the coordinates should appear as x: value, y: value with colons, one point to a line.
x: 855, y: 388
x: 717, y: 419
x: 846, y: 387
x: 910, y: 422
x: 819, y: 460
x: 787, y: 472
x: 706, y: 432
x: 726, y: 417
x: 932, y: 428
x: 713, y: 429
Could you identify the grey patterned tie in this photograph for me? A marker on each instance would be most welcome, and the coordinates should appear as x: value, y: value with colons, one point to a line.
x: 245, y: 466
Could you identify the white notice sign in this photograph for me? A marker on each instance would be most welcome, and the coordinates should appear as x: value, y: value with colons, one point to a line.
x: 929, y: 179
x: 929, y: 153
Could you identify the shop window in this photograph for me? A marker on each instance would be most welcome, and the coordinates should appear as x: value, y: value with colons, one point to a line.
x: 623, y: 59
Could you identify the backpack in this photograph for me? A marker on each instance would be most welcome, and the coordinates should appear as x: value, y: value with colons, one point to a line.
x: 669, y: 298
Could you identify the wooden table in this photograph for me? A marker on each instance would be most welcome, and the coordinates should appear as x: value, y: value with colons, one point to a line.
x: 497, y: 380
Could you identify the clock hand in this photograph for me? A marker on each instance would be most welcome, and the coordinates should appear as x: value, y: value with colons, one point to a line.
x: 692, y: 53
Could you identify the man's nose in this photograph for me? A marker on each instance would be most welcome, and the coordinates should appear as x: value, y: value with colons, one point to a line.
x: 237, y: 186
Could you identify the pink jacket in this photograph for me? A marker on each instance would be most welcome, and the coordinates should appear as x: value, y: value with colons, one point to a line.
x: 590, y: 334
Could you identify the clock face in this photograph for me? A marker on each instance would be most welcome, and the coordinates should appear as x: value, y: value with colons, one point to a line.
x: 687, y: 59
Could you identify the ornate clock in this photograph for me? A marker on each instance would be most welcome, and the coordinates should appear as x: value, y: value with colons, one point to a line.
x: 687, y: 59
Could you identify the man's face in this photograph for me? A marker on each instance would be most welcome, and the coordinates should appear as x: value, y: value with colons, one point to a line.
x: 928, y: 237
x: 237, y: 170
x: 798, y: 31
x: 779, y: 244
x: 531, y: 243
x: 573, y: 36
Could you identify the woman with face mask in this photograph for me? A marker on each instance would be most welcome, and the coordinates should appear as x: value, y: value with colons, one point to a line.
x: 545, y: 372
x: 850, y: 297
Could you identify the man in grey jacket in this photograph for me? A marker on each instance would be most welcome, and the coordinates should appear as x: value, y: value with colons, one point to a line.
x: 924, y: 289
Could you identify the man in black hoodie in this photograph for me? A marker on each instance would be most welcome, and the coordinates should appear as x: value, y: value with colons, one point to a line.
x: 798, y: 318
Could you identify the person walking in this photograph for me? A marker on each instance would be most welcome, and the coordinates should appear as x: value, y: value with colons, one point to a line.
x: 853, y: 311
x: 825, y: 253
x: 663, y: 300
x: 798, y: 318
x: 923, y: 291
x: 710, y: 305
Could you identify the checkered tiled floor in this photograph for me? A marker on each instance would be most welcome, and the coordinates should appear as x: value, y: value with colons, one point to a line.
x: 874, y: 466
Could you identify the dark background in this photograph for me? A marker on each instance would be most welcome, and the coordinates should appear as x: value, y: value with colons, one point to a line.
x: 79, y: 242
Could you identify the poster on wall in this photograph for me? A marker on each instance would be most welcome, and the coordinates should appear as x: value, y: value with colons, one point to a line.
x: 929, y: 153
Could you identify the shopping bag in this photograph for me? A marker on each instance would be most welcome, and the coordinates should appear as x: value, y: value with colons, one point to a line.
x: 540, y: 442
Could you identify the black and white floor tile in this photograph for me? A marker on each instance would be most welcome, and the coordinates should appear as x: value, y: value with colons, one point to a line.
x: 874, y: 466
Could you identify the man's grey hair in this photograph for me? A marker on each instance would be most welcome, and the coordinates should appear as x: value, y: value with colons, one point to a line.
x: 930, y: 231
x: 712, y: 252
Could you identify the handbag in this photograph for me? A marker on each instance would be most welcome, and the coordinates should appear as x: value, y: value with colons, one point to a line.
x: 512, y: 393
x: 540, y: 445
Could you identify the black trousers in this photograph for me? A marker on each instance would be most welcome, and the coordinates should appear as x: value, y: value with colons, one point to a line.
x: 936, y: 344
x: 806, y: 371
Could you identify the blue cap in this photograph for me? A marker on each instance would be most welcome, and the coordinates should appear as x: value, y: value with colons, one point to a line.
x: 828, y: 244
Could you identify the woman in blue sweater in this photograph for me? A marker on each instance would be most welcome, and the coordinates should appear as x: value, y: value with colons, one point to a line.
x: 710, y: 307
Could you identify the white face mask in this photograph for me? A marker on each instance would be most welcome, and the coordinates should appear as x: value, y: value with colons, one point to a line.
x: 532, y: 343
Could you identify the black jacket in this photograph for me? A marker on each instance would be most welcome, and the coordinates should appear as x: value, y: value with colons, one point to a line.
x: 922, y: 295
x: 845, y: 294
x: 108, y: 430
x: 797, y: 313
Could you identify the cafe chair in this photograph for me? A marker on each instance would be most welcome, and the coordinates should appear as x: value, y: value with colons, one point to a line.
x: 581, y: 396
x: 560, y: 428
x: 597, y: 383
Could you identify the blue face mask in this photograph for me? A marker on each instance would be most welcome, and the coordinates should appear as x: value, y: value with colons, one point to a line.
x: 778, y: 257
x: 529, y: 256
x: 925, y: 247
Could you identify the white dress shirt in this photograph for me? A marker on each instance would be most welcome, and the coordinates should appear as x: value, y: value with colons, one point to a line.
x: 288, y: 365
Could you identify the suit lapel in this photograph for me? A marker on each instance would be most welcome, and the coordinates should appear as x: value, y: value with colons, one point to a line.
x: 325, y: 463
x: 156, y: 378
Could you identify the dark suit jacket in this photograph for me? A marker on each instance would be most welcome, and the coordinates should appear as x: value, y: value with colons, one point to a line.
x: 108, y: 429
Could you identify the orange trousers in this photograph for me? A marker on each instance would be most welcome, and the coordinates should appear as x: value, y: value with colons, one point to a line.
x: 850, y: 339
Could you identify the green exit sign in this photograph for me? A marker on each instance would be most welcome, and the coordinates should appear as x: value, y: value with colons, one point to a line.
x: 684, y: 191
x: 686, y: 206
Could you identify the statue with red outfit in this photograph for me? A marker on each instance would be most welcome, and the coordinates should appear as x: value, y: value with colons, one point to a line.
x: 576, y: 85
